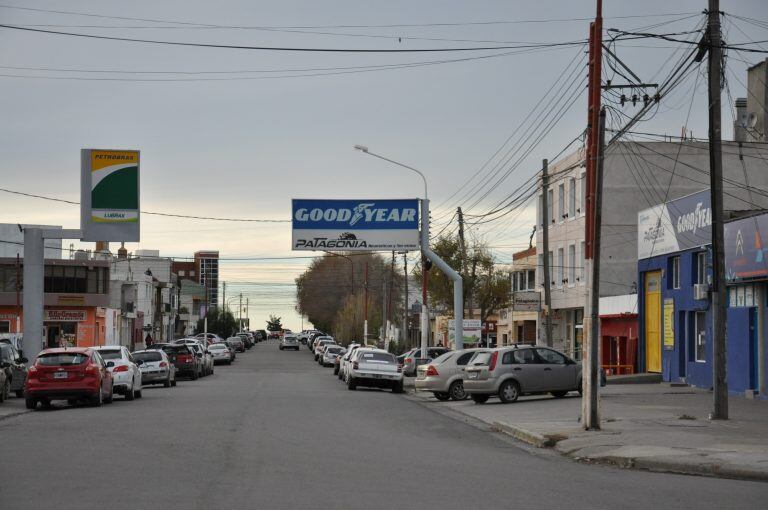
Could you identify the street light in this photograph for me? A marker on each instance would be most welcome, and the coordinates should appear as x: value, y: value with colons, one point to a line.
x: 427, y: 253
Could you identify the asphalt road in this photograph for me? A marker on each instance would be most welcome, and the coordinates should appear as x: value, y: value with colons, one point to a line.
x: 275, y: 430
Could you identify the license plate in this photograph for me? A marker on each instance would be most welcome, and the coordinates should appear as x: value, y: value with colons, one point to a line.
x: 472, y: 375
x: 60, y: 375
x: 377, y: 376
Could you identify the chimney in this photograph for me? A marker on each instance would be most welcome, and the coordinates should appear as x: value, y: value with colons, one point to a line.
x: 740, y: 123
x: 122, y: 253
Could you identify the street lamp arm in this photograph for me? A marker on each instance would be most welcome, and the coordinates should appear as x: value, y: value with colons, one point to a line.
x: 423, y: 178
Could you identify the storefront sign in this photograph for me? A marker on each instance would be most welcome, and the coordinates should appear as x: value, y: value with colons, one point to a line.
x: 669, y: 324
x: 355, y: 225
x: 745, y: 248
x: 65, y: 315
x: 526, y: 301
x: 678, y: 225
x: 109, y: 195
x: 472, y: 330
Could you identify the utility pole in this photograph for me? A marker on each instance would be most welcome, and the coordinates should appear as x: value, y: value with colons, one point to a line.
x: 719, y: 383
x: 545, y: 235
x: 240, y: 314
x: 247, y: 309
x: 18, y: 295
x: 365, y: 306
x: 590, y: 365
x: 405, y: 300
x: 224, y: 297
x: 391, y: 289
x: 590, y: 417
x: 463, y: 251
x: 384, y: 320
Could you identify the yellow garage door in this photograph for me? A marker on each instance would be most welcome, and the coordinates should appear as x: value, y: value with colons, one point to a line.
x: 653, y: 321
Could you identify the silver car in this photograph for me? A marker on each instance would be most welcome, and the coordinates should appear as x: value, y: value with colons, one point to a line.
x: 412, y: 358
x: 509, y: 372
x: 155, y: 367
x: 444, y: 375
x: 221, y: 353
x: 289, y: 342
x: 330, y: 354
x: 236, y: 343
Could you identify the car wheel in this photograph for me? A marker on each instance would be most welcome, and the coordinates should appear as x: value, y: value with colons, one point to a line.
x: 31, y: 403
x: 46, y: 403
x: 351, y: 384
x: 138, y: 394
x: 281, y: 347
x: 98, y: 399
x: 456, y: 390
x: 509, y: 391
x: 397, y: 387
x: 335, y: 370
x: 129, y: 395
x: 167, y: 382
x: 19, y: 393
x: 173, y: 383
x: 439, y: 395
x: 580, y: 387
x: 559, y: 394
x: 194, y: 375
x: 5, y: 390
x: 479, y: 398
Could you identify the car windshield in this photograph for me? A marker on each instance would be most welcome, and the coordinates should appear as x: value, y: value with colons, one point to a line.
x: 217, y: 347
x: 62, y: 358
x: 334, y: 350
x: 111, y: 354
x: 234, y: 339
x: 147, y: 356
x: 376, y: 357
x: 481, y: 358
x: 442, y: 358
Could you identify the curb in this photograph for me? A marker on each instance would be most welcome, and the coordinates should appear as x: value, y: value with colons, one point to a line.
x: 524, y: 435
x: 14, y: 414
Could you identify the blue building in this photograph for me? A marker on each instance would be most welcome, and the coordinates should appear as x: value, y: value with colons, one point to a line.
x: 674, y: 278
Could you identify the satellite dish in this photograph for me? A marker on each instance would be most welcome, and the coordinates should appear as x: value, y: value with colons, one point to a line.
x: 752, y: 120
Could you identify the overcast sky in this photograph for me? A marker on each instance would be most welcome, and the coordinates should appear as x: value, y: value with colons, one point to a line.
x: 238, y: 133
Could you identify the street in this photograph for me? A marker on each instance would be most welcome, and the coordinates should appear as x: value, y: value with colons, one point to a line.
x: 275, y: 430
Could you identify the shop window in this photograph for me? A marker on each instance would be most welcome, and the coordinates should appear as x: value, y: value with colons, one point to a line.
x: 673, y: 269
x: 531, y: 279
x: 700, y: 338
x: 701, y: 267
x: 5, y: 326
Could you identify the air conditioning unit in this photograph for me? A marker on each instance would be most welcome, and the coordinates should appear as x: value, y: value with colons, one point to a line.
x: 700, y: 291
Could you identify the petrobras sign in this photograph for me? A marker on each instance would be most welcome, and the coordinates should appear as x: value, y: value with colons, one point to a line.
x: 675, y: 226
x: 355, y: 225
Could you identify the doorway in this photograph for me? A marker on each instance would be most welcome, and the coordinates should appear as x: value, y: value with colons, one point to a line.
x: 52, y: 336
x: 653, y: 321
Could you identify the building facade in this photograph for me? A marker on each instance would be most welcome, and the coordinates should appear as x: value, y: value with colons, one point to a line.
x: 207, y: 268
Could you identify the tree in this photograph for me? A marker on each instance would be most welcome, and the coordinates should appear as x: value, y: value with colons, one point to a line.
x: 221, y: 322
x: 274, y: 323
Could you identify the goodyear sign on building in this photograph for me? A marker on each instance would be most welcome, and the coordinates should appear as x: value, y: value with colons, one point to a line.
x: 109, y: 205
x: 355, y: 225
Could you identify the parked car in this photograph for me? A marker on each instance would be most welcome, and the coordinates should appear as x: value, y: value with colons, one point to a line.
x: 289, y: 342
x: 155, y: 367
x: 209, y: 337
x: 221, y: 353
x: 330, y: 354
x: 509, y: 372
x: 374, y: 368
x: 344, y: 360
x: 237, y: 343
x: 200, y: 347
x: 444, y: 375
x: 72, y: 374
x: 319, y: 342
x: 5, y: 381
x: 126, y: 374
x: 412, y: 358
x: 321, y: 348
x: 247, y: 339
x: 262, y: 334
x: 15, y: 368
x: 273, y: 334
x: 185, y: 360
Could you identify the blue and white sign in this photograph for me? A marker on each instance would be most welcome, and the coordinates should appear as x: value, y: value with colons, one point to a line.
x: 746, y: 254
x: 355, y: 225
x: 675, y: 226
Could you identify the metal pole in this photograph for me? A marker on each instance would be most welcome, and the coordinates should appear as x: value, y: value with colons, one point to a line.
x: 384, y: 320
x: 34, y: 261
x: 719, y: 311
x: 545, y: 235
x: 17, y: 330
x: 405, y: 300
x: 240, y: 314
x: 224, y: 296
x: 591, y: 365
x: 365, y: 306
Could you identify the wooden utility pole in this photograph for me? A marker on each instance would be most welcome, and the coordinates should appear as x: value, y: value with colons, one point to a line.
x: 405, y: 300
x: 365, y: 306
x: 545, y: 259
x: 719, y: 317
x: 462, y: 244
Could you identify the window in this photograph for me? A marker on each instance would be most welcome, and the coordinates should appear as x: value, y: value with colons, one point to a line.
x: 5, y: 326
x: 571, y: 197
x: 701, y: 267
x: 560, y: 263
x: 464, y: 358
x: 550, y: 204
x: 540, y: 261
x: 550, y: 357
x: 561, y: 202
x: 700, y: 342
x: 522, y: 356
x: 674, y: 273
x: 582, y: 256
x: 583, y: 205
x: 571, y: 264
x: 531, y: 279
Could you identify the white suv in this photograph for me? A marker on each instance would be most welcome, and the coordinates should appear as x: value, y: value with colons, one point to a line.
x: 374, y: 368
x: 126, y: 374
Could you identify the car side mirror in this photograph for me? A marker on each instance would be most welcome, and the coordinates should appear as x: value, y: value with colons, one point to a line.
x: 140, y: 362
x: 4, y: 364
x: 199, y: 355
x: 110, y: 364
x: 23, y: 360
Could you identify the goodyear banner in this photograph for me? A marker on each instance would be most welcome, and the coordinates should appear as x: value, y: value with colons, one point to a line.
x: 678, y: 225
x: 355, y: 225
x: 109, y: 193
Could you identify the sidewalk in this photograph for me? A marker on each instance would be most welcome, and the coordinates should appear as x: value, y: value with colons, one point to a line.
x: 649, y: 426
x: 12, y: 407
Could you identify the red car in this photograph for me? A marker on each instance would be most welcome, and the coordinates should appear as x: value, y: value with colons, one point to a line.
x: 72, y: 374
